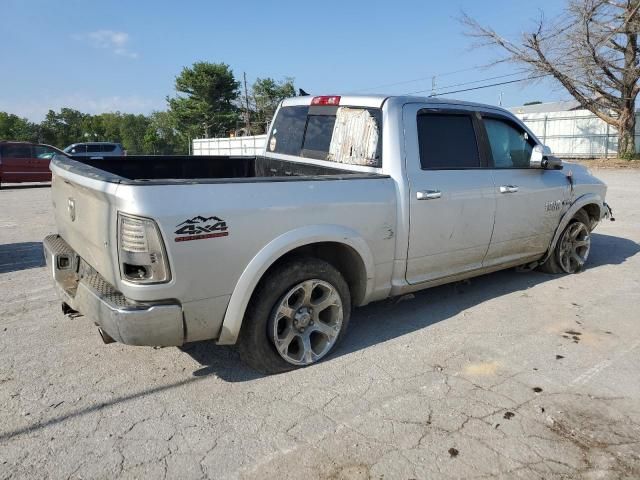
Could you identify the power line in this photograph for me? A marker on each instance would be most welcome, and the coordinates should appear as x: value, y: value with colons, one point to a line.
x: 429, y: 77
x: 492, y: 85
x: 482, y: 80
x: 482, y: 86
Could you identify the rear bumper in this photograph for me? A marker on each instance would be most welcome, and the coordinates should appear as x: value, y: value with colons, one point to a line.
x: 158, y: 323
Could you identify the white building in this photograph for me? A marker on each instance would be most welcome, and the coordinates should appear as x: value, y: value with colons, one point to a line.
x: 243, y: 146
x: 572, y: 132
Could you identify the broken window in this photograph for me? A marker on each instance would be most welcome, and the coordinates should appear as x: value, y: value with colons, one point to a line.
x: 348, y: 135
x: 355, y: 138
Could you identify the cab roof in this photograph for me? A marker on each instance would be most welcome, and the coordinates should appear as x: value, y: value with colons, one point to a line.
x: 377, y: 100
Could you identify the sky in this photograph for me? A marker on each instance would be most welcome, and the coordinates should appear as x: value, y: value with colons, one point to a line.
x: 98, y: 56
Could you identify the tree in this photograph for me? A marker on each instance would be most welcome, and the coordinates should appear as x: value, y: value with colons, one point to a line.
x: 64, y: 128
x: 267, y: 94
x: 591, y: 50
x: 13, y: 127
x: 108, y: 126
x: 205, y: 101
x: 162, y: 136
x: 132, y: 132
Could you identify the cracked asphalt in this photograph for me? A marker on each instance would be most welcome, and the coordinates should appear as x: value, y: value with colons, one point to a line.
x: 510, y: 375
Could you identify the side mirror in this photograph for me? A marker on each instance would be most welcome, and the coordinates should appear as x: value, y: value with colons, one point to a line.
x: 541, y: 157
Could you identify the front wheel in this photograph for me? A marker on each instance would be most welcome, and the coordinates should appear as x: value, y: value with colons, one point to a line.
x: 572, y: 250
x: 297, y: 315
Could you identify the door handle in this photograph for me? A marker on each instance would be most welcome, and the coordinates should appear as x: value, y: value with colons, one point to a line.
x: 508, y: 188
x: 428, y: 194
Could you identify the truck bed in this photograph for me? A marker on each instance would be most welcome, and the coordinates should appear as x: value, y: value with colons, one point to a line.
x: 151, y: 169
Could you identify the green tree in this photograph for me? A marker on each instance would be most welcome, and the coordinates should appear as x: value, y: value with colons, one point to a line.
x: 110, y: 124
x: 267, y: 94
x: 13, y: 127
x: 132, y: 130
x: 64, y: 128
x: 205, y: 101
x: 163, y: 138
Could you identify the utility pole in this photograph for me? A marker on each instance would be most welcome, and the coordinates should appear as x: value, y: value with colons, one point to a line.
x: 433, y: 86
x: 246, y: 103
x: 500, y: 98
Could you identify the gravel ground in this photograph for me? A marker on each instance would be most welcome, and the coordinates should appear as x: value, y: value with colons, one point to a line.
x: 509, y: 375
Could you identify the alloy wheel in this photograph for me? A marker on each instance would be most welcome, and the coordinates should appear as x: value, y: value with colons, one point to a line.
x: 574, y: 247
x: 306, y: 322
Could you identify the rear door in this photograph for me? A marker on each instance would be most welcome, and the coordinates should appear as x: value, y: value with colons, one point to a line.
x: 94, y: 150
x: 108, y: 149
x: 452, y: 205
x: 529, y: 201
x: 16, y: 163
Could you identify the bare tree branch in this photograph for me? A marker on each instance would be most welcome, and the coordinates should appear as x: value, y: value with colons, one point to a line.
x: 591, y: 50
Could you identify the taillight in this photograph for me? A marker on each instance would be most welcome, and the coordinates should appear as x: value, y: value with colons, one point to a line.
x: 141, y: 251
x: 333, y: 100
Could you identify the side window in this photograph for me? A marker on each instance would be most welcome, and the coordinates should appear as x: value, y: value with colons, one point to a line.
x: 16, y: 151
x: 93, y: 148
x: 40, y: 151
x: 107, y: 147
x: 78, y: 149
x: 447, y: 141
x: 511, y: 146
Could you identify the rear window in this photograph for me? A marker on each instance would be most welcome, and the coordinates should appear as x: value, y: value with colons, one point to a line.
x: 317, y: 138
x: 349, y: 135
x: 288, y: 130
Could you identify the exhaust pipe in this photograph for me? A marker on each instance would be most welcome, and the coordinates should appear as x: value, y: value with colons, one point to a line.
x: 106, y: 338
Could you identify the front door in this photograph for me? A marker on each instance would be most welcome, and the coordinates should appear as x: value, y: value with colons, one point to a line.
x: 452, y: 205
x: 529, y: 201
x: 42, y: 156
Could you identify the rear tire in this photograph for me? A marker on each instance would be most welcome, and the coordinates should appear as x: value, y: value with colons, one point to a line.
x: 296, y: 317
x: 572, y: 249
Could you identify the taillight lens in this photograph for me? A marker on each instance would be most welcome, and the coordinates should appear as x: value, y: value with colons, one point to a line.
x: 141, y: 251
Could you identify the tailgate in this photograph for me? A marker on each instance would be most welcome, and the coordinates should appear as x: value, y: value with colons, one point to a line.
x: 86, y: 217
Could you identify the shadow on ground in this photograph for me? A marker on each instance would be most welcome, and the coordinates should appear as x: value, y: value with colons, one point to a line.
x: 382, y: 321
x: 21, y: 256
x: 370, y: 325
x: 610, y: 250
x: 22, y: 186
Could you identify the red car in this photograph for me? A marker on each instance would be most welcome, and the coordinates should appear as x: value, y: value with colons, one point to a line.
x: 25, y: 162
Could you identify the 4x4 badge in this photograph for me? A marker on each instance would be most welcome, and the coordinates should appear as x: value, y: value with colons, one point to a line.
x: 200, y: 228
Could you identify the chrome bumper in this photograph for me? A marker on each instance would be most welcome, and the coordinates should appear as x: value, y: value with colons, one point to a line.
x: 85, y: 290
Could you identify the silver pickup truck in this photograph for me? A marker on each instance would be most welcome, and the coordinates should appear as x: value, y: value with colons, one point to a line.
x: 356, y: 199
